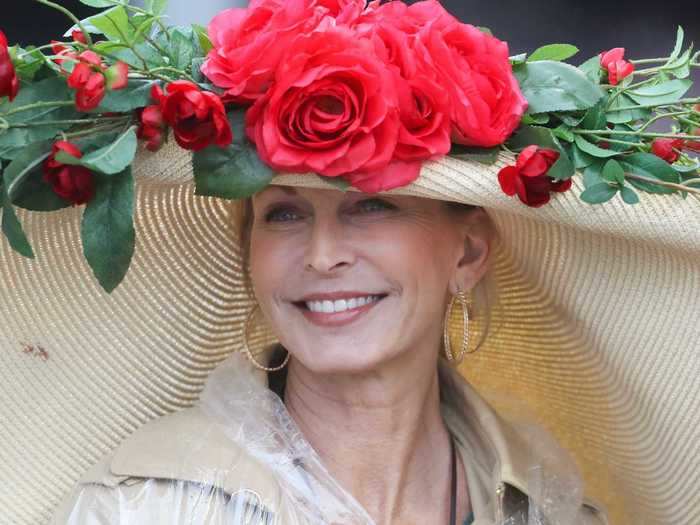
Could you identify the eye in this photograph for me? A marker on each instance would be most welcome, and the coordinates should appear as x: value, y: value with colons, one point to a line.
x: 372, y: 205
x: 280, y: 214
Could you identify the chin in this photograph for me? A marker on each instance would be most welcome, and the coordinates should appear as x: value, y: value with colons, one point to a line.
x: 343, y: 359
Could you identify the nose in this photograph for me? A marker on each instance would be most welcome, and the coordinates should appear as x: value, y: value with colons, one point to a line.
x: 328, y: 250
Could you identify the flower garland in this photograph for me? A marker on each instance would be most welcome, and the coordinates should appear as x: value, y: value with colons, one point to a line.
x: 361, y: 94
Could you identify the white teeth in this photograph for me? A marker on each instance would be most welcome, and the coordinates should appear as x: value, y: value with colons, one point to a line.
x: 340, y: 305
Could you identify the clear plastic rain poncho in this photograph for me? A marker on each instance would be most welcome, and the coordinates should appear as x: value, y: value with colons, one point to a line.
x: 249, y: 425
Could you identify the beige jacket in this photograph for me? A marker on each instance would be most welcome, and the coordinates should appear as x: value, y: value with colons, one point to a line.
x: 236, y: 458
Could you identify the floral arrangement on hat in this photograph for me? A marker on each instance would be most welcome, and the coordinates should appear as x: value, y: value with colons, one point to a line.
x: 359, y: 94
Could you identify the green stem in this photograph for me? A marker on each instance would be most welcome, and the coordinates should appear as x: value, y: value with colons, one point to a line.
x: 673, y: 185
x: 39, y: 48
x: 649, y: 60
x: 615, y: 141
x: 651, y: 106
x: 634, y: 133
x: 64, y: 122
x: 70, y: 15
x: 660, y: 116
x: 36, y: 105
x: 620, y: 91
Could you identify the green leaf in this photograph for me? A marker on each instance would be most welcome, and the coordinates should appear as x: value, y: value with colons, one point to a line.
x: 616, y: 116
x: 482, y: 155
x: 556, y: 86
x: 598, y: 193
x: 595, y: 116
x: 580, y: 158
x: 107, y: 228
x: 113, y: 23
x: 613, y: 172
x: 535, y: 118
x: 31, y: 62
x: 204, y: 40
x: 593, y: 174
x: 563, y: 132
x: 115, y: 157
x: 98, y: 3
x: 557, y: 52
x: 29, y: 160
x: 12, y: 228
x: 651, y: 167
x: 234, y: 172
x: 592, y: 149
x: 677, y: 48
x: 182, y: 49
x: 136, y: 95
x: 629, y: 195
x: 45, y: 91
x: 663, y: 93
x: 591, y: 68
x: 157, y: 7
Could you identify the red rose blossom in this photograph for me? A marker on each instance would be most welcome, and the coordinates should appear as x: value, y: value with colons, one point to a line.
x: 617, y: 67
x: 73, y: 183
x: 667, y: 149
x: 117, y: 76
x: 529, y: 179
x: 475, y: 69
x: 198, y: 118
x: 332, y: 109
x: 249, y: 43
x: 78, y: 36
x: 9, y: 83
x: 152, y: 127
x: 88, y: 80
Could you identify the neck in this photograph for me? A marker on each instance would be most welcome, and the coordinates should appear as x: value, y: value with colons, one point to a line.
x: 380, y: 434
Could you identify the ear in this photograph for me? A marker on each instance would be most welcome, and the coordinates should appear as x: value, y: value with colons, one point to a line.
x: 472, y: 257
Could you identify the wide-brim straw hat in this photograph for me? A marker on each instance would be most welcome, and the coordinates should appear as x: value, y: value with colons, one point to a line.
x: 597, y: 332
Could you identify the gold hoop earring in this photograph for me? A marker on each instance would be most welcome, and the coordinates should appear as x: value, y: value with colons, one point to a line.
x: 250, y: 355
x: 461, y: 297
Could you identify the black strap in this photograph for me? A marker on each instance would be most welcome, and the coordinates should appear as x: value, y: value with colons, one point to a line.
x: 453, y: 488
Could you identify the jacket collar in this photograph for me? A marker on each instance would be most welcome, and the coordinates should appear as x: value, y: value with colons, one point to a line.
x: 191, y: 445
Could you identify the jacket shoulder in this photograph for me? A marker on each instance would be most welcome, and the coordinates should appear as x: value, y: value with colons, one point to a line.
x: 186, y: 445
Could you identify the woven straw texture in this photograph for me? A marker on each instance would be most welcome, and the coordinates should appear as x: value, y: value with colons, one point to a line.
x: 597, y: 333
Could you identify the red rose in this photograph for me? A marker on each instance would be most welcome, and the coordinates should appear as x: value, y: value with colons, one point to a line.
x: 474, y: 68
x: 249, y: 43
x: 88, y: 80
x: 693, y: 145
x: 613, y: 62
x: 73, y: 183
x: 424, y: 105
x: 198, y: 118
x: 332, y: 108
x: 528, y: 178
x: 9, y: 83
x: 152, y: 127
x: 667, y: 149
x: 78, y: 36
x: 63, y: 51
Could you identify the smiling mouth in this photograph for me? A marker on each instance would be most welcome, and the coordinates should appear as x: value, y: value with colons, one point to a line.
x: 302, y: 305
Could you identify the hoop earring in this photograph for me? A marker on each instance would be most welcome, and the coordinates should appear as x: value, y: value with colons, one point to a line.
x: 461, y: 297
x: 250, y: 355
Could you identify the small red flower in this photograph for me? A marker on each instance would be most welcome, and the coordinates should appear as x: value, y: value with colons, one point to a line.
x: 88, y: 80
x: 529, y: 179
x: 152, y: 127
x: 693, y: 145
x: 9, y: 83
x: 63, y: 51
x: 73, y: 183
x: 198, y: 118
x: 667, y: 149
x: 79, y: 36
x: 617, y: 67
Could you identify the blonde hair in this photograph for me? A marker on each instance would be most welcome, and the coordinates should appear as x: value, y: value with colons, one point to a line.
x: 484, y: 294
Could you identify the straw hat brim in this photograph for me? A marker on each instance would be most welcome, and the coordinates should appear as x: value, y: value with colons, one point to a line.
x: 597, y: 332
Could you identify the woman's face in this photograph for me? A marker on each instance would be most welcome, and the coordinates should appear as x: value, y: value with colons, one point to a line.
x: 313, y: 248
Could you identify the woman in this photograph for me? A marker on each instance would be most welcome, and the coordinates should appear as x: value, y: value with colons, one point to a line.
x: 356, y: 289
x: 145, y: 396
